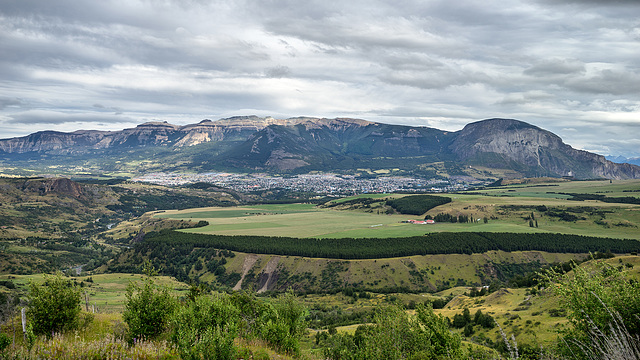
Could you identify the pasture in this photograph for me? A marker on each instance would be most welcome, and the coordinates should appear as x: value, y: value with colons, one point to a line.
x: 506, y: 208
x: 106, y: 292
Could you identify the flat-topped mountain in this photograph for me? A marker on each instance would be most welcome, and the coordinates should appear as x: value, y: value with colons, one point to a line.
x: 302, y: 144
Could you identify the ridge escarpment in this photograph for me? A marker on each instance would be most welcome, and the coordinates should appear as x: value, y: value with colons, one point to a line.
x: 302, y: 144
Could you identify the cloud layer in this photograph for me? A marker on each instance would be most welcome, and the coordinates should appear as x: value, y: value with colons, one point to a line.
x: 567, y: 66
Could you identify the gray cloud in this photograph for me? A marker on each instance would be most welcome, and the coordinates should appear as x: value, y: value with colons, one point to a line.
x: 604, y: 3
x: 557, y: 64
x: 608, y: 82
x: 37, y: 117
x: 6, y: 102
x: 556, y: 67
x: 278, y: 71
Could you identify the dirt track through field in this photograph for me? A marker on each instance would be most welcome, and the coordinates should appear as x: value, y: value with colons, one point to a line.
x: 249, y: 261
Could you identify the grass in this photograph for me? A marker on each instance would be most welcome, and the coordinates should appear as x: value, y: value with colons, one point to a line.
x: 106, y: 292
x: 301, y: 221
x: 615, y: 188
x: 436, y: 271
x: 306, y: 220
x: 531, y: 324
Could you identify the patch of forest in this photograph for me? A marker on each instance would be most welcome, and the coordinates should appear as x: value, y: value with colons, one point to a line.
x: 33, y: 255
x: 164, y: 243
x: 138, y: 204
x: 603, y: 198
x: 417, y: 204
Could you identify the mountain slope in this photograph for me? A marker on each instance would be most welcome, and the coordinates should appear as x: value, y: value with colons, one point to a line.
x: 318, y: 144
x: 303, y: 144
x: 539, y: 152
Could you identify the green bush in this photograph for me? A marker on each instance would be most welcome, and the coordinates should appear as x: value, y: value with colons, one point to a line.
x: 148, y: 309
x: 250, y: 312
x: 5, y: 341
x: 205, y: 328
x: 283, y: 323
x: 54, y: 306
x: 599, y: 300
x: 396, y: 335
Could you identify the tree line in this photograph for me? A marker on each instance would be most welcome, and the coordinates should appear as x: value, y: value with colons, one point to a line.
x: 603, y: 198
x: 169, y: 243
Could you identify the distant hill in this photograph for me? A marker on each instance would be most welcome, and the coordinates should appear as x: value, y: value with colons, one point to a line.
x: 622, y: 160
x: 303, y: 144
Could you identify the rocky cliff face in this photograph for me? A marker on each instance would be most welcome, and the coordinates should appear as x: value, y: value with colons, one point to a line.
x: 505, y: 140
x: 516, y: 140
x: 61, y: 186
x: 304, y: 144
x: 52, y: 141
x: 147, y: 134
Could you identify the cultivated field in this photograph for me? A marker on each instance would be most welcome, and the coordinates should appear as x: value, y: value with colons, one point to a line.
x: 507, y: 209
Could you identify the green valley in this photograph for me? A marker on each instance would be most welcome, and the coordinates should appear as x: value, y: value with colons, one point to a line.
x: 349, y: 260
x: 507, y: 209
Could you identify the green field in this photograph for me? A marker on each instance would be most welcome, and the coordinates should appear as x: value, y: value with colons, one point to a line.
x: 305, y: 220
x: 106, y: 292
x: 507, y: 209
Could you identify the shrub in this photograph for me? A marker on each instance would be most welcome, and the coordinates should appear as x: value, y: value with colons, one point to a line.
x: 250, y: 312
x: 54, y: 306
x: 396, y: 335
x: 148, y: 309
x: 283, y: 323
x: 597, y: 297
x: 205, y: 328
x: 5, y: 341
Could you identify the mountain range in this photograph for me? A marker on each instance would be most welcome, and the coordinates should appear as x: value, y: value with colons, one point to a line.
x: 621, y: 159
x: 304, y: 144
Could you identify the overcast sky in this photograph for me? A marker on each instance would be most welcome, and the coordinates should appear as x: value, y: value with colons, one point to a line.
x: 568, y: 66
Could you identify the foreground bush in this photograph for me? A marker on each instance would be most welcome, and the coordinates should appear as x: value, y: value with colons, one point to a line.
x: 603, y: 306
x: 54, y: 305
x: 396, y: 335
x: 148, y: 309
x: 205, y: 328
x: 283, y: 323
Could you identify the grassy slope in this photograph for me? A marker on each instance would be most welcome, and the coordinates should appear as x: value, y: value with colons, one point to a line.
x: 310, y: 274
x: 107, y: 291
x: 524, y: 315
x: 527, y: 317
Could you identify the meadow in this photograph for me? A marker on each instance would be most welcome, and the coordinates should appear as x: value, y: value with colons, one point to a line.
x: 507, y: 209
x: 105, y: 292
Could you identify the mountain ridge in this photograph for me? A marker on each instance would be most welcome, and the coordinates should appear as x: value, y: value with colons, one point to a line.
x: 302, y: 144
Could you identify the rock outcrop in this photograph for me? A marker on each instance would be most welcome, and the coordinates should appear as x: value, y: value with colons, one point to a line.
x: 300, y: 144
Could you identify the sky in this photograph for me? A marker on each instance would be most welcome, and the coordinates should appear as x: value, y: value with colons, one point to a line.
x: 568, y: 66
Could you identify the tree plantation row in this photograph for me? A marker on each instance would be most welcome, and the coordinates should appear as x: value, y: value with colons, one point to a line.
x: 167, y: 242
